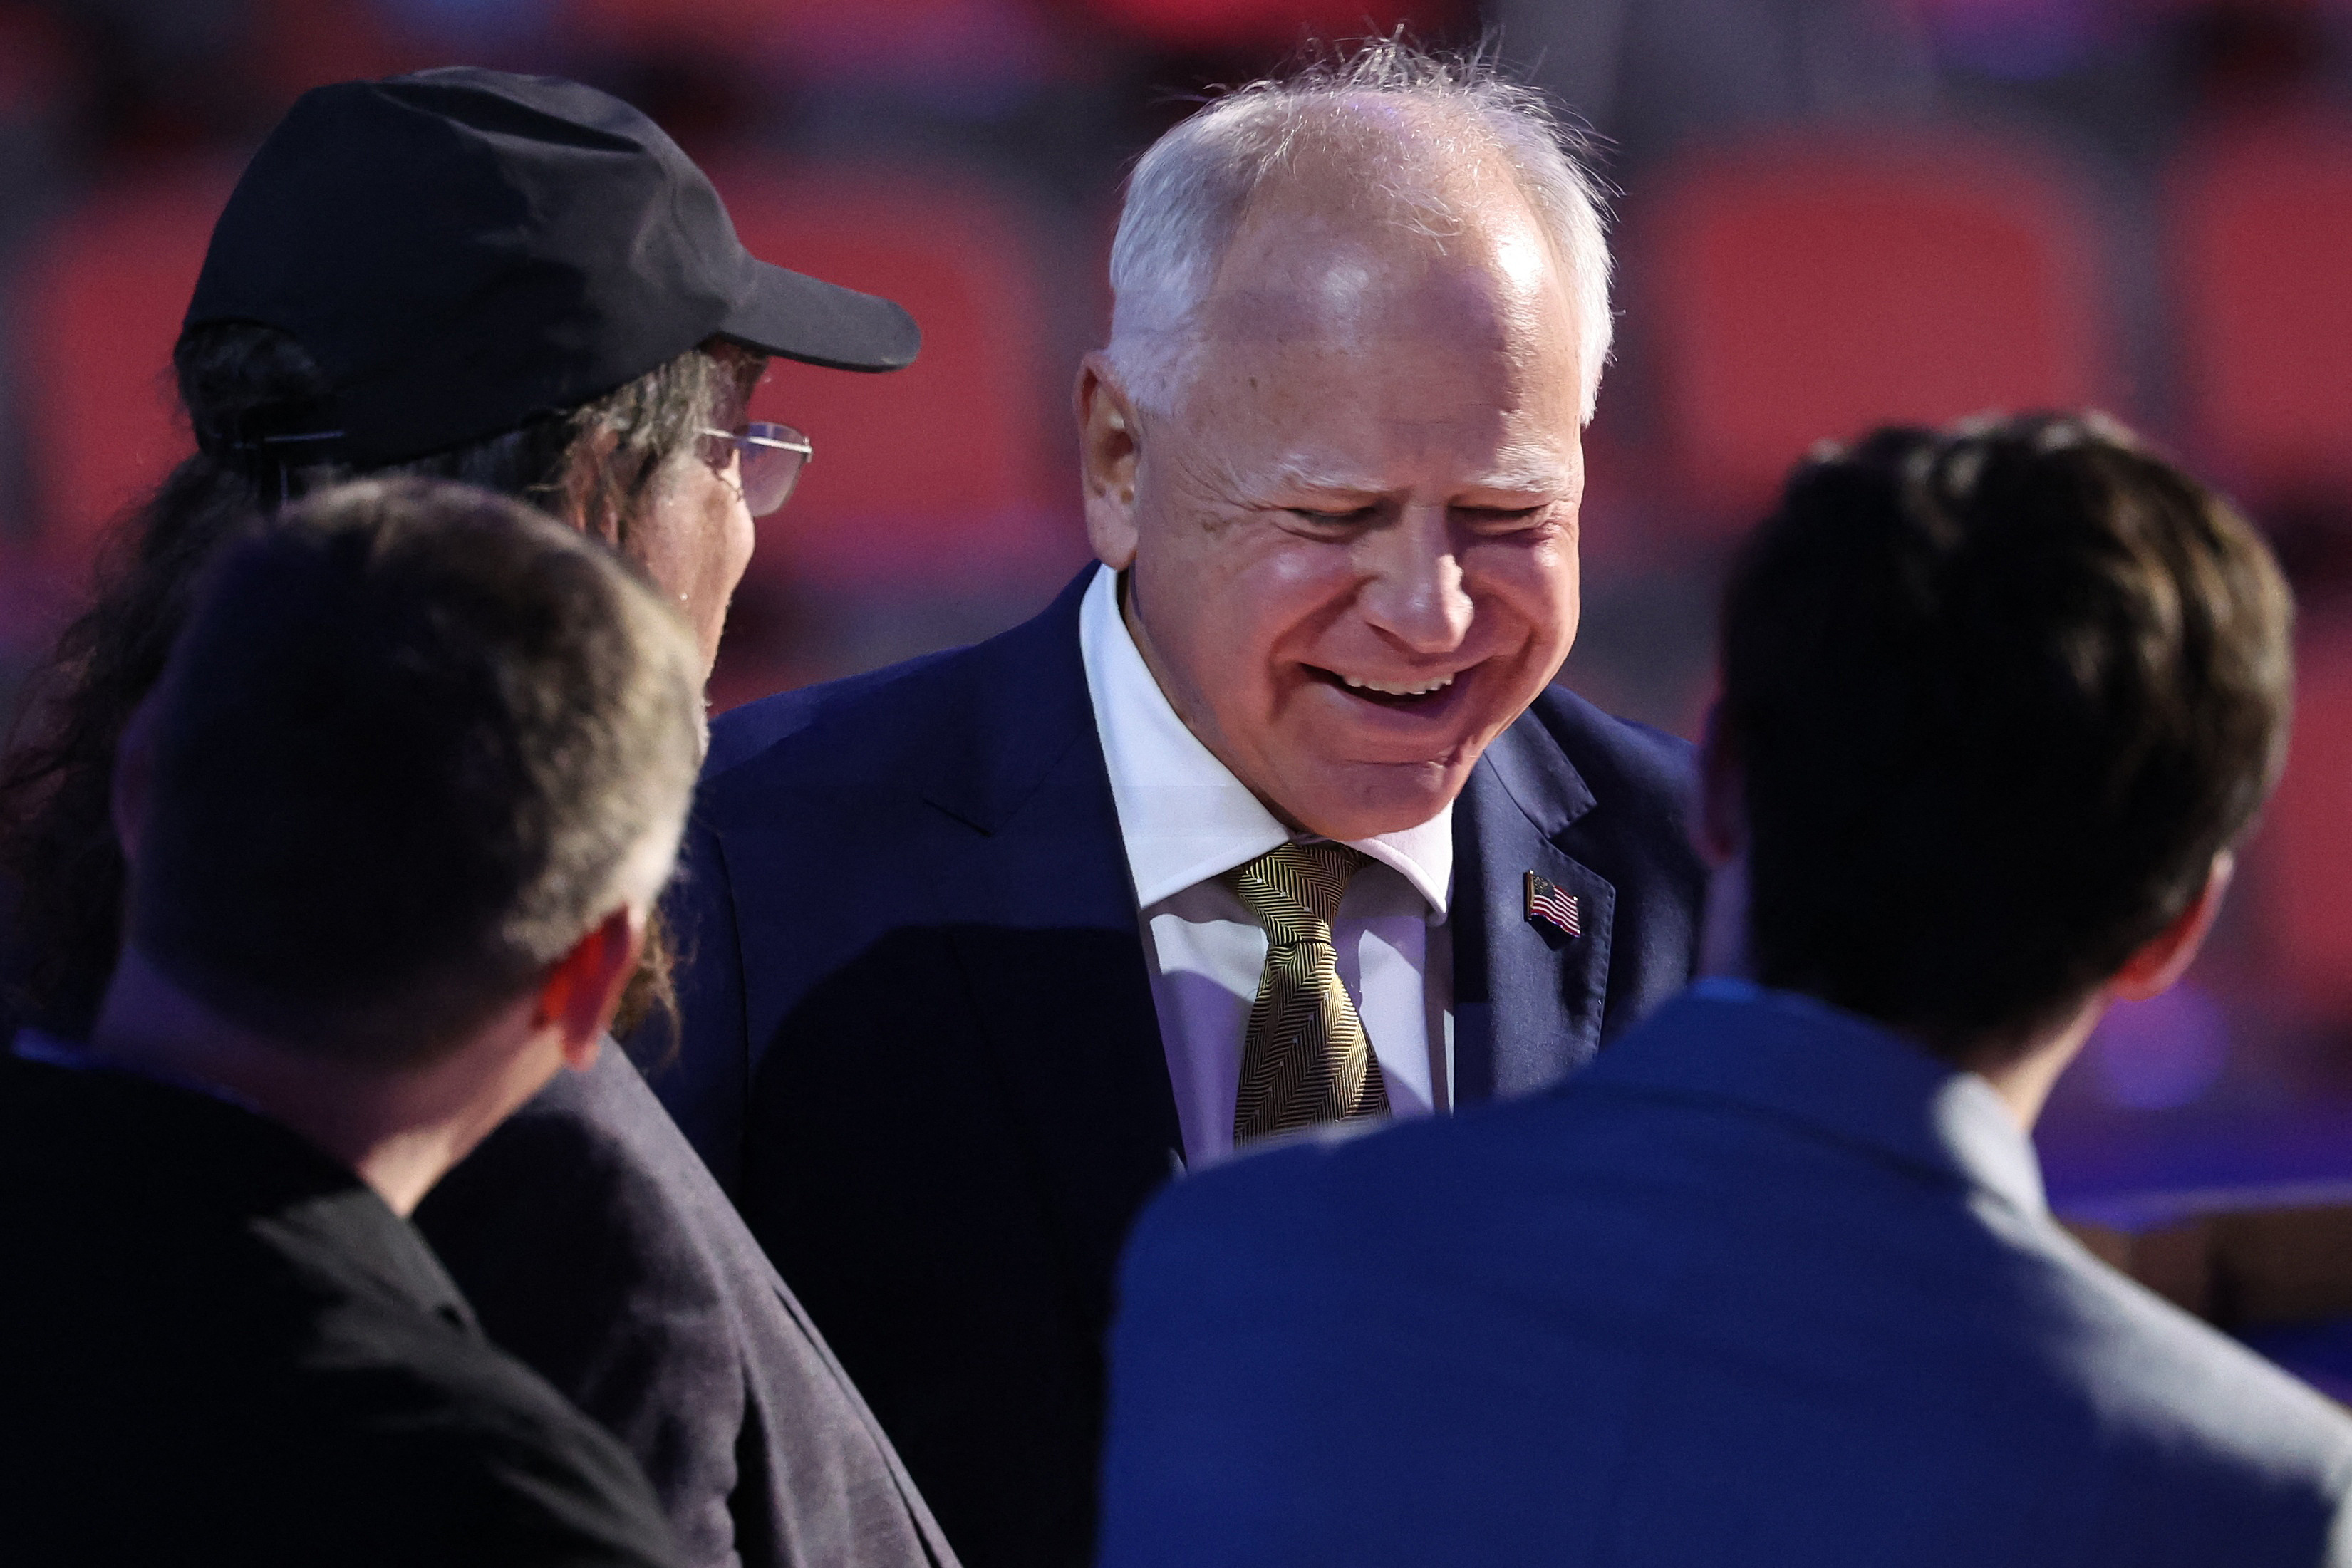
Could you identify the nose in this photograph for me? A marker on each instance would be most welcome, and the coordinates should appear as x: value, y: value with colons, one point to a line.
x: 1413, y: 591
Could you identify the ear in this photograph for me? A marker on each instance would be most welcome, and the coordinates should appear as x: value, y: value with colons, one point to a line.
x: 1719, y: 825
x: 2165, y: 957
x: 581, y: 992
x: 134, y: 776
x: 579, y: 480
x: 1106, y: 461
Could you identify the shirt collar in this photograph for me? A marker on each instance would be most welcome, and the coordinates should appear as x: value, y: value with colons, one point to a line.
x: 1802, y: 1058
x: 1183, y: 816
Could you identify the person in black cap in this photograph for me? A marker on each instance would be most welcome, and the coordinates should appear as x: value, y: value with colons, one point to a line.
x: 522, y: 283
x: 399, y: 810
x: 466, y: 257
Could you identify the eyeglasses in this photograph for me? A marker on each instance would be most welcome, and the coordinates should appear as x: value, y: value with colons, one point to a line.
x: 771, y: 457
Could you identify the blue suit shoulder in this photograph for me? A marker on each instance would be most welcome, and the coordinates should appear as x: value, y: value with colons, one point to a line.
x: 1629, y: 766
x: 1989, y: 1393
x: 971, y: 722
x: 744, y: 735
x: 1293, y: 1203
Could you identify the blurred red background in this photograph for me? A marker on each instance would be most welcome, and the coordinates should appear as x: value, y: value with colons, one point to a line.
x: 1895, y: 210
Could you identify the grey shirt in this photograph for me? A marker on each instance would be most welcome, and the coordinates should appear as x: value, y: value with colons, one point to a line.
x: 595, y: 1245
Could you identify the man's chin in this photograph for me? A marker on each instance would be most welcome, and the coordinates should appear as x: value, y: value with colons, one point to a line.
x: 1367, y: 800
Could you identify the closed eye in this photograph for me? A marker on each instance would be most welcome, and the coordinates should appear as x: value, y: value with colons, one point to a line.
x: 1337, y: 522
x: 1503, y: 519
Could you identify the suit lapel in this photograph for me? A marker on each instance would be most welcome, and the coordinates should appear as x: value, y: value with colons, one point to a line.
x: 1042, y: 919
x: 1527, y: 998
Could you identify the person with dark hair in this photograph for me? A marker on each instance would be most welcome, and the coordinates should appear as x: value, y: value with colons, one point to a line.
x: 397, y: 815
x: 521, y: 283
x: 1774, y: 1280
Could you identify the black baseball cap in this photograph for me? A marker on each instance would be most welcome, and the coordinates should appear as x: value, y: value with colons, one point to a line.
x: 463, y: 250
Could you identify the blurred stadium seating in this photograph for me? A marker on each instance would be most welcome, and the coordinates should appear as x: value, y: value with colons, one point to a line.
x: 1231, y: 25
x: 1790, y: 277
x: 2259, y: 229
x: 864, y: 28
x: 645, y: 25
x: 856, y: 38
x: 1809, y: 290
x: 2300, y: 867
x: 2260, y: 258
x: 98, y: 307
x: 932, y: 470
x: 921, y: 471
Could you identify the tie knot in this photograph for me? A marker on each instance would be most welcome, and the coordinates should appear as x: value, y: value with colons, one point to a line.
x: 1295, y: 890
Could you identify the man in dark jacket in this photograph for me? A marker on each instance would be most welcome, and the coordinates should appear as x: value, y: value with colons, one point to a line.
x: 1272, y: 819
x: 397, y: 817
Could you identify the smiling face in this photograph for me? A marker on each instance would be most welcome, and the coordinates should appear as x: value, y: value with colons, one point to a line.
x: 1352, y: 538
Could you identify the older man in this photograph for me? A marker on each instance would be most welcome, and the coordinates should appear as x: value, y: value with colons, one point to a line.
x: 1270, y: 820
x: 1774, y: 1283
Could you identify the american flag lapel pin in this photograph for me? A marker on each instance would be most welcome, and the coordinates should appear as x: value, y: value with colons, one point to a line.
x: 1547, y: 904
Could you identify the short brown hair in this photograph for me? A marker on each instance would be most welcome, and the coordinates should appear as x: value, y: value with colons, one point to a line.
x: 416, y: 740
x: 1999, y: 693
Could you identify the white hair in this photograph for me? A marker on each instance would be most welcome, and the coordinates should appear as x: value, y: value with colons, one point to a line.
x: 1188, y: 193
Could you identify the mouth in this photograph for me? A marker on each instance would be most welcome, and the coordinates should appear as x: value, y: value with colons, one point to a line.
x: 1408, y: 697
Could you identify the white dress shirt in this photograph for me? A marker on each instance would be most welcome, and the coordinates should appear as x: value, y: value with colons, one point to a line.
x: 1186, y: 820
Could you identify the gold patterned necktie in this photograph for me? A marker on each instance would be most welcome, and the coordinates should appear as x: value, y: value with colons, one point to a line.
x: 1306, y: 1058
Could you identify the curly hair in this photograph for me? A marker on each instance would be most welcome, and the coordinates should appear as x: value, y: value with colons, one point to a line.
x: 592, y: 465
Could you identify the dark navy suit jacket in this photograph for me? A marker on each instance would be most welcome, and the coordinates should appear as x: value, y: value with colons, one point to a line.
x: 921, y: 1049
x: 1765, y: 1285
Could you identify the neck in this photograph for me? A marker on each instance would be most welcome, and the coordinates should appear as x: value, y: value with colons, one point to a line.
x: 2022, y: 1072
x: 398, y: 1128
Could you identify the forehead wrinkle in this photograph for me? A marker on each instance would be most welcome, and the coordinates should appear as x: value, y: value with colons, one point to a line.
x: 1526, y: 468
x: 1297, y: 471
x: 1519, y: 469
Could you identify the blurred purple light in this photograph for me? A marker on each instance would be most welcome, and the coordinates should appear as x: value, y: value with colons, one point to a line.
x: 2013, y: 40
x: 2160, y: 1053
x: 475, y: 22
